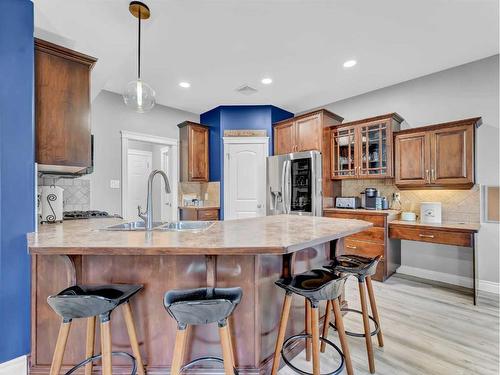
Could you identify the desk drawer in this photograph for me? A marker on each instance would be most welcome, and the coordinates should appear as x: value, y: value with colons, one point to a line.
x: 363, y: 248
x: 431, y: 235
x: 377, y: 220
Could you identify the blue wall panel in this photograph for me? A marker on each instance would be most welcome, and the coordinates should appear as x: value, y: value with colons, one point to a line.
x: 16, y: 174
x: 238, y: 117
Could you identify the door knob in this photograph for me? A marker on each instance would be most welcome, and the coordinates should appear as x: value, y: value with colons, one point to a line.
x: 259, y: 206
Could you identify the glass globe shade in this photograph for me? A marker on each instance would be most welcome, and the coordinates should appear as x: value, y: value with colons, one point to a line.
x: 139, y: 96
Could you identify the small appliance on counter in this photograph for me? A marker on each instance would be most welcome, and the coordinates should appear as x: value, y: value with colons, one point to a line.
x: 371, y: 195
x: 50, y: 204
x: 347, y: 202
x: 430, y: 212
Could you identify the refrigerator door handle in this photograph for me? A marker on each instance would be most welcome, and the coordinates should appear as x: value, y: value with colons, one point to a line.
x: 285, y: 186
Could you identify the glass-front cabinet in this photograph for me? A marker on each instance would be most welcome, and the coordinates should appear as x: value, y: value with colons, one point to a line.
x: 363, y: 149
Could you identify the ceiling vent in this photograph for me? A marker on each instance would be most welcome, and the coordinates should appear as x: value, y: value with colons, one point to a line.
x: 246, y: 90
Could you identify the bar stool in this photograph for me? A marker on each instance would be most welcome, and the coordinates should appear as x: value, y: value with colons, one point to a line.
x: 362, y: 268
x: 202, y: 306
x: 315, y: 285
x: 82, y: 301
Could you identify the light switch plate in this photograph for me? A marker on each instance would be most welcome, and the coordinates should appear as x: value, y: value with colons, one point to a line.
x: 114, y: 184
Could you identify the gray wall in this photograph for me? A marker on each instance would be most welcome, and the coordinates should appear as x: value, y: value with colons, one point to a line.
x: 109, y: 117
x: 465, y: 91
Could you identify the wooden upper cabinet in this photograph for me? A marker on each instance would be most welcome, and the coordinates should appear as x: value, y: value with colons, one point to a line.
x: 284, y: 138
x: 304, y: 132
x: 308, y: 133
x: 412, y: 163
x: 436, y: 156
x: 364, y: 148
x: 194, y: 144
x: 62, y: 108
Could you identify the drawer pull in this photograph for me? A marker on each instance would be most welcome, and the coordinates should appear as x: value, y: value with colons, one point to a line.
x: 351, y: 247
x: 427, y: 235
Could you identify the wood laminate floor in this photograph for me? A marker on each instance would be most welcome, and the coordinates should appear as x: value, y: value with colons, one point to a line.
x: 428, y: 329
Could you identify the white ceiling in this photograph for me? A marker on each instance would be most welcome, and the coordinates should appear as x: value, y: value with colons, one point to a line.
x: 219, y: 45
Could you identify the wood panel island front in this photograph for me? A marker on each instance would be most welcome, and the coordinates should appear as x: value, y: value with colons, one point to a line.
x: 249, y: 253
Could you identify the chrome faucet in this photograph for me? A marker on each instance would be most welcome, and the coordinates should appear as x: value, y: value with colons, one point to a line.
x: 147, y: 215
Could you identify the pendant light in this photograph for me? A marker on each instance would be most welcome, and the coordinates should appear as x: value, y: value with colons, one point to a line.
x: 139, y: 95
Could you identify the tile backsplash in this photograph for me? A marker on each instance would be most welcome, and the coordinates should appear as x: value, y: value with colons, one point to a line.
x: 76, y: 195
x: 457, y: 205
x: 210, y: 190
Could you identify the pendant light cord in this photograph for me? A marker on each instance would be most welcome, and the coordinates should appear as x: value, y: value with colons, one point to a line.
x: 139, y: 47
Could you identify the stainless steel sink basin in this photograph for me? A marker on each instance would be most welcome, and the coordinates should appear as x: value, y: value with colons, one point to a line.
x: 132, y: 226
x: 181, y: 226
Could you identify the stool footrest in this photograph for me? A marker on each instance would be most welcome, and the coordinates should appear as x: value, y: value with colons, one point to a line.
x: 99, y: 356
x: 291, y: 339
x: 203, y: 359
x: 356, y: 334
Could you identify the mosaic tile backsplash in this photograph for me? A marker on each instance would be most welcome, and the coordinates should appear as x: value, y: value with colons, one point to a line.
x: 76, y: 195
x: 457, y: 205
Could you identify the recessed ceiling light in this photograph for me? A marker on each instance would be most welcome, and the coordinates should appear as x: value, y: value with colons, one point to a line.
x: 350, y: 63
x: 185, y: 85
x: 267, y: 81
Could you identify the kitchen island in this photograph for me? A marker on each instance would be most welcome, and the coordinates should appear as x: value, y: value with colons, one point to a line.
x: 250, y: 253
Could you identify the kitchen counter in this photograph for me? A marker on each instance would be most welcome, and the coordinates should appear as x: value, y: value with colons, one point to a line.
x: 206, y: 207
x: 391, y: 213
x: 249, y: 253
x: 446, y: 225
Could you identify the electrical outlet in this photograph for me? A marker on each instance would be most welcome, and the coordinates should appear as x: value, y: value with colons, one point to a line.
x: 397, y: 196
x: 114, y: 184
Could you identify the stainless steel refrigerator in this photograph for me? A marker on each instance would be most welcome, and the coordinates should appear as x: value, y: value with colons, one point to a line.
x: 294, y: 184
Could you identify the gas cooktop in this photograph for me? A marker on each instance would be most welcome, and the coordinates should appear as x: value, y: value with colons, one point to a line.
x: 92, y: 214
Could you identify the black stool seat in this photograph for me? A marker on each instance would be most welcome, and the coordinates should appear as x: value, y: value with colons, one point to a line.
x: 315, y: 285
x: 202, y: 305
x: 354, y: 264
x: 83, y: 301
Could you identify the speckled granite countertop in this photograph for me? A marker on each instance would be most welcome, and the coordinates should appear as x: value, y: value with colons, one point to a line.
x: 280, y: 234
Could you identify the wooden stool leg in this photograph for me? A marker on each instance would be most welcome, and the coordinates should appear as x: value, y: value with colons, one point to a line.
x: 107, y: 368
x: 129, y: 322
x: 339, y: 323
x: 315, y: 339
x: 90, y: 341
x: 326, y: 325
x: 179, y: 348
x: 62, y: 338
x: 285, y: 313
x: 373, y: 305
x: 231, y: 342
x: 307, y: 324
x: 366, y: 324
x: 226, y: 349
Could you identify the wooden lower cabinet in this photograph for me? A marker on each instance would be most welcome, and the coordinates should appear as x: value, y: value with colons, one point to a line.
x: 199, y: 213
x: 374, y: 241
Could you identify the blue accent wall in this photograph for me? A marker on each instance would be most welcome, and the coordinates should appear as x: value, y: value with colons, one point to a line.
x: 17, y: 211
x: 258, y: 117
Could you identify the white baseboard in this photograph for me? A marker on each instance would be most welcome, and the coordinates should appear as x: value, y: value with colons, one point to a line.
x: 484, y: 285
x: 16, y: 366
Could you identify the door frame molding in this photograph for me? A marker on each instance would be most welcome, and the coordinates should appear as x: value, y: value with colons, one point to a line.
x: 172, y: 143
x: 238, y: 140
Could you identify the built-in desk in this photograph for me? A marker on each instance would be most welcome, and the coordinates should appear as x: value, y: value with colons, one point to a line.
x: 446, y: 233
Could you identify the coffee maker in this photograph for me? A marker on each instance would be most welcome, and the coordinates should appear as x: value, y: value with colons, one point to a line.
x: 371, y: 195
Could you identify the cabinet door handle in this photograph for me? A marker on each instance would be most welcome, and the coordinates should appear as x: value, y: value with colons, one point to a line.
x: 426, y: 235
x: 427, y: 176
x: 351, y: 247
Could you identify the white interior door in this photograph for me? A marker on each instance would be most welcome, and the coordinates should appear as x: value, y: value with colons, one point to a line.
x: 245, y: 177
x: 167, y: 204
x: 140, y: 164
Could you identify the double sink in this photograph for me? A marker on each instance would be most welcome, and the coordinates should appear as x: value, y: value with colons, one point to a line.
x: 176, y: 226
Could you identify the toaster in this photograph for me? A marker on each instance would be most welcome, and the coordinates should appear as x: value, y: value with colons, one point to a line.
x: 347, y: 202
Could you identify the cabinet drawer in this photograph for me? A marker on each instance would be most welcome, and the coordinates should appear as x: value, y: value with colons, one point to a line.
x: 208, y: 214
x: 431, y: 235
x: 377, y: 220
x: 374, y: 234
x: 363, y: 248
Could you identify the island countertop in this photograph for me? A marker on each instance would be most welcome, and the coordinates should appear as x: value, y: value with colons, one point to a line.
x: 281, y: 234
